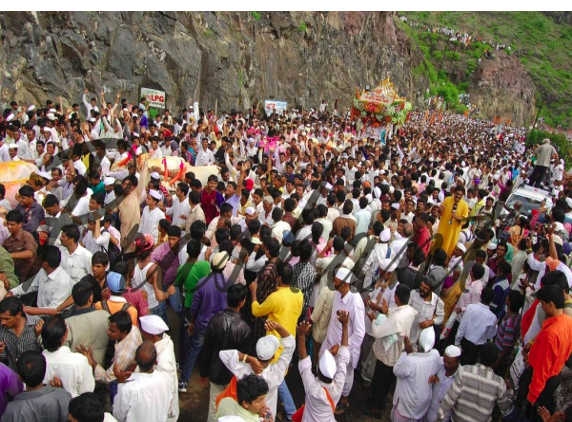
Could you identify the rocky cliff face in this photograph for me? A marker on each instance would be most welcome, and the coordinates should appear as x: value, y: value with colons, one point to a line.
x: 233, y: 60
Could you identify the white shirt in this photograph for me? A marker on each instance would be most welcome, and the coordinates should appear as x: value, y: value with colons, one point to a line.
x: 105, y: 165
x: 95, y: 244
x: 412, y: 390
x: 73, y: 369
x: 379, y: 259
x: 478, y: 324
x: 52, y: 288
x: 80, y: 167
x: 399, y: 322
x: 439, y: 391
x: 150, y: 222
x: 167, y: 363
x: 363, y: 217
x: 76, y: 264
x: 204, y: 158
x: 144, y: 397
x: 178, y: 211
x: 352, y: 303
x: 317, y: 407
x: 273, y: 374
x: 327, y: 225
x: 279, y: 228
x: 434, y: 309
x: 82, y: 204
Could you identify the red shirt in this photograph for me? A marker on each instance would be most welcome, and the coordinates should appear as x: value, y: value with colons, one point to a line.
x: 549, y: 353
x: 423, y: 239
x: 209, y: 204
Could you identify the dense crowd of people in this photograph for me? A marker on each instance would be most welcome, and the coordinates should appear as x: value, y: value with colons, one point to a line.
x: 384, y: 267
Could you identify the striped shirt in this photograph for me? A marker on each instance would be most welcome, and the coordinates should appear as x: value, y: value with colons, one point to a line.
x: 473, y: 394
x: 507, y: 332
x: 16, y: 345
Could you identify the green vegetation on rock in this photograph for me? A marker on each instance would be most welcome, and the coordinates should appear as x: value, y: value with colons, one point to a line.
x: 543, y: 46
x: 536, y: 136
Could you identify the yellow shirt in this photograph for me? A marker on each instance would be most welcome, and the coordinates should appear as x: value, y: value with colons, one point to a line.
x: 283, y: 306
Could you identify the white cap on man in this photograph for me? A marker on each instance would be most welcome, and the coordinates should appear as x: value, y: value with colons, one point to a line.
x: 327, y: 364
x: 155, y: 194
x: 344, y: 274
x: 453, y: 351
x: 266, y: 347
x: 153, y: 324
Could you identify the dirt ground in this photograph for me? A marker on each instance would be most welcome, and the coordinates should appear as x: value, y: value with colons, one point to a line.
x: 194, y: 403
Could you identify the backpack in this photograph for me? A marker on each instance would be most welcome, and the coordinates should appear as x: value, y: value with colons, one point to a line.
x: 105, y: 306
x: 112, y: 251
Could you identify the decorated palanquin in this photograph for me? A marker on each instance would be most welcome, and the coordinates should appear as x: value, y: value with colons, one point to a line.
x: 380, y: 105
x: 13, y: 174
x: 173, y: 169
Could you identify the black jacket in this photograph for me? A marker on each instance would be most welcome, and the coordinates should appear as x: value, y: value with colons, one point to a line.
x: 226, y: 330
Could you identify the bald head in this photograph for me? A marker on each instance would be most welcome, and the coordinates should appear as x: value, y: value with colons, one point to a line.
x: 146, y: 356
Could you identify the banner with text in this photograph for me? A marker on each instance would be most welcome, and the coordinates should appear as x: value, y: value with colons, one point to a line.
x: 154, y: 97
x: 272, y: 106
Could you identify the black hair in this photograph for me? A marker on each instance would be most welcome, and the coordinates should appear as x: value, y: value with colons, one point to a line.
x: 52, y: 256
x: 250, y: 387
x: 289, y: 205
x: 195, y: 197
x: 123, y: 321
x: 13, y: 305
x: 317, y: 230
x: 174, y: 231
x: 183, y: 187
x: 348, y: 207
x: 285, y: 272
x: 194, y: 248
x: 82, y: 290
x: 225, y: 208
x: 439, y: 257
x: 516, y: 300
x: 487, y: 295
x: 31, y: 366
x: 306, y: 250
x: 87, y: 407
x: 253, y: 226
x: 50, y: 200
x: 236, y: 294
x: 402, y: 292
x: 277, y: 214
x: 53, y: 332
x: 99, y: 197
x: 99, y: 257
x: 221, y: 234
x: 478, y: 271
x: 488, y: 354
x: 71, y: 231
x: 15, y: 216
x: 273, y: 247
x: 197, y: 230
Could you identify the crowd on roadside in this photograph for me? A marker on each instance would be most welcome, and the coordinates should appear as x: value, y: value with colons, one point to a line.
x: 311, y: 246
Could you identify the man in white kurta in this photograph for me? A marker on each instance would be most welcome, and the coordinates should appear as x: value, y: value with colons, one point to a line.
x: 346, y: 300
x: 274, y: 373
x: 412, y: 397
x: 146, y: 395
x: 71, y: 368
x: 151, y: 215
x: 322, y: 396
x: 153, y: 328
